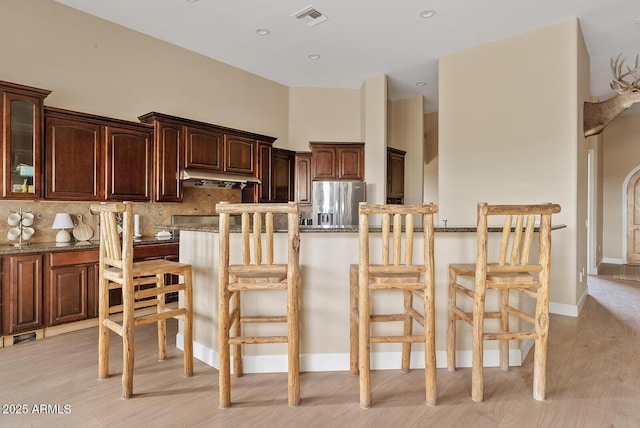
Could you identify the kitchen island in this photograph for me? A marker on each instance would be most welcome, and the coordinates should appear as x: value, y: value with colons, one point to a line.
x: 326, y: 253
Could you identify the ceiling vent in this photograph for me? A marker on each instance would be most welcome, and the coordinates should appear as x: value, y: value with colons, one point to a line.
x: 311, y: 15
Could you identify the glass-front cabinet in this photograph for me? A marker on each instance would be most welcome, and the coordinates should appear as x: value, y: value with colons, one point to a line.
x: 22, y: 140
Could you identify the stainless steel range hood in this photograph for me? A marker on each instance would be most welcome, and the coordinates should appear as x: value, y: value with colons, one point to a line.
x: 202, y: 178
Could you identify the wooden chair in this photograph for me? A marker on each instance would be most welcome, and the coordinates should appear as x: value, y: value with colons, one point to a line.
x: 256, y: 273
x: 513, y: 271
x: 394, y: 273
x: 143, y: 286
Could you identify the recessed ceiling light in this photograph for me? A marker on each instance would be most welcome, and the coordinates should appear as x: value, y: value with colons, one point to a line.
x: 314, y: 56
x: 427, y: 13
x: 421, y: 83
x: 263, y: 31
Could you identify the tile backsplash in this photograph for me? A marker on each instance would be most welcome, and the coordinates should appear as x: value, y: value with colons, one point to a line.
x: 195, y: 201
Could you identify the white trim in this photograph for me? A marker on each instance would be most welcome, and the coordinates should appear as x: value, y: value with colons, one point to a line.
x: 277, y: 363
x: 563, y: 309
x: 612, y: 261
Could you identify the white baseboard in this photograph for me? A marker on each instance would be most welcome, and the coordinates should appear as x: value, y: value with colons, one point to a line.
x: 277, y: 363
x: 612, y: 261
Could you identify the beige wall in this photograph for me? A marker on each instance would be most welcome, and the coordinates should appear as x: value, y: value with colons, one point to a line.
x: 621, y: 157
x: 373, y: 101
x: 406, y: 132
x: 95, y: 66
x: 323, y: 114
x: 510, y: 135
x: 430, y: 157
x: 582, y: 71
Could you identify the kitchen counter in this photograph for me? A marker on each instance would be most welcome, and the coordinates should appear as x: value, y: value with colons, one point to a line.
x: 47, y: 247
x: 325, y: 256
x: 200, y: 227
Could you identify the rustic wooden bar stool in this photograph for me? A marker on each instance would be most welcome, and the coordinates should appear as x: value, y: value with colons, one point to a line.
x: 394, y: 273
x: 143, y: 286
x: 513, y: 271
x: 257, y: 274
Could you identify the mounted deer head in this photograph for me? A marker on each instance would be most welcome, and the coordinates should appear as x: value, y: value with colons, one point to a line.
x: 598, y: 115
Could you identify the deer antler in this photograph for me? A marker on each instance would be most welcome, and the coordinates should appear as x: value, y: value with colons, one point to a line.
x: 598, y: 115
x: 619, y: 76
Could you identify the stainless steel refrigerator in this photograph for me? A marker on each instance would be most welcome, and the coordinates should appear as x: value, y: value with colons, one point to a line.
x: 335, y: 203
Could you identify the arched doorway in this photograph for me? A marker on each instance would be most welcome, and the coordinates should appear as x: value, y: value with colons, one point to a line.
x: 633, y: 218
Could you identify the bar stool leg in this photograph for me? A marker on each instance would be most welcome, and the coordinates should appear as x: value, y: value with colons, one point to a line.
x: 353, y: 321
x: 408, y: 330
x: 162, y: 323
x: 364, y: 346
x: 188, y: 323
x: 293, y: 341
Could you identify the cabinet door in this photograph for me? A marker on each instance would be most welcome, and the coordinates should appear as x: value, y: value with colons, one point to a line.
x: 204, y: 148
x: 67, y: 299
x: 303, y: 178
x: 73, y: 160
x: 282, y: 176
x: 22, y: 293
x: 350, y: 162
x: 323, y: 163
x: 22, y: 134
x: 239, y: 154
x: 93, y: 282
x: 395, y: 176
x: 264, y: 171
x: 169, y: 158
x: 128, y: 164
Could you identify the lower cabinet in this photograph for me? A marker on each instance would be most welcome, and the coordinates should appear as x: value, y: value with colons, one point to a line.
x: 48, y: 289
x: 71, y: 286
x: 22, y: 293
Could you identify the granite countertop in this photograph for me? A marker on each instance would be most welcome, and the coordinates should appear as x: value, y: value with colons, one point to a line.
x: 199, y: 227
x: 47, y: 247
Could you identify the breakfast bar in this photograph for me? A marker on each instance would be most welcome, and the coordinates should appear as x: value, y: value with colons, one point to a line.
x: 325, y: 255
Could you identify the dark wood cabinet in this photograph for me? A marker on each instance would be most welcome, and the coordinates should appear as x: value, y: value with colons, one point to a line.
x: 323, y: 163
x: 169, y: 155
x: 204, y: 148
x: 239, y: 154
x: 128, y: 163
x: 337, y: 161
x: 395, y: 176
x: 21, y: 119
x: 22, y: 293
x: 74, y: 161
x: 262, y: 192
x: 71, y: 286
x: 303, y: 178
x: 276, y: 172
x: 282, y: 175
x: 91, y: 157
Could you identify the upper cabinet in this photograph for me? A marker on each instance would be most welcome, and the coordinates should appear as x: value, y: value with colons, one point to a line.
x: 21, y: 125
x: 204, y: 148
x: 337, y: 161
x: 94, y: 158
x: 73, y: 156
x: 128, y: 162
x: 169, y: 156
x: 303, y: 178
x: 395, y: 176
x: 181, y: 143
x: 282, y: 175
x: 239, y: 154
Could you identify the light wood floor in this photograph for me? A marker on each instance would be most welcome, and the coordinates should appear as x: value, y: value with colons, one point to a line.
x: 593, y: 381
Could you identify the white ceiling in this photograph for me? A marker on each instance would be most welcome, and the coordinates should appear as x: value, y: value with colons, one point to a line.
x: 363, y: 38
